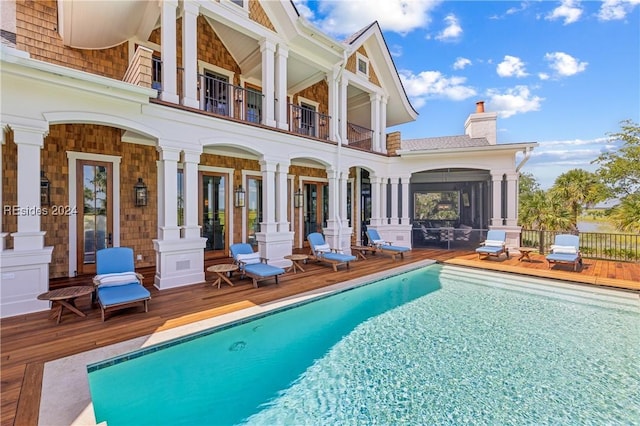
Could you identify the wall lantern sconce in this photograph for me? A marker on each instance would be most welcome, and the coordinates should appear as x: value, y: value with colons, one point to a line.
x: 140, y: 192
x: 298, y: 198
x: 45, y: 190
x: 239, y: 197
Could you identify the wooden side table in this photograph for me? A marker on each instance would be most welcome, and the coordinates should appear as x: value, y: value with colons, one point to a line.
x: 65, y: 298
x: 361, y: 251
x: 221, y: 271
x: 296, y: 260
x: 525, y: 252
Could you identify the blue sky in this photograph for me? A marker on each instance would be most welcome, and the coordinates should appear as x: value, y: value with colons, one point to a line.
x: 560, y: 73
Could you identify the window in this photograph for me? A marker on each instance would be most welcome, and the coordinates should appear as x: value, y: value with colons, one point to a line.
x: 363, y: 64
x: 180, y: 202
x: 156, y: 73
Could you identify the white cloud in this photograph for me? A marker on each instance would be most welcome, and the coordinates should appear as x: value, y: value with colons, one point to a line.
x: 565, y: 65
x: 461, y: 63
x: 543, y: 76
x: 512, y: 11
x: 612, y: 10
x: 303, y: 9
x: 453, y: 31
x: 347, y: 17
x: 516, y: 100
x: 432, y: 84
x: 511, y: 66
x: 396, y: 50
x: 569, y: 10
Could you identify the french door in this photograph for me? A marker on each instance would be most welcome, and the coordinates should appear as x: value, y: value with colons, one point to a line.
x: 213, y: 209
x: 95, y: 218
x: 254, y: 208
x: 316, y: 207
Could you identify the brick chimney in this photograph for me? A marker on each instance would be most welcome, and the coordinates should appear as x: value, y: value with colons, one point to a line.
x: 482, y: 124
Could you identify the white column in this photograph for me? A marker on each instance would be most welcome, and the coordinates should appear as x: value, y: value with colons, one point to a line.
x: 496, y: 197
x: 342, y: 110
x: 332, y: 176
x: 375, y: 201
x: 394, y: 200
x: 334, y: 106
x: 267, y: 48
x: 342, y: 204
x: 189, y: 54
x: 282, y: 192
x: 168, y: 194
x: 281, y: 86
x: 29, y: 235
x: 375, y: 121
x: 384, y: 213
x: 405, y: 200
x: 383, y: 124
x: 268, y: 169
x: 190, y: 174
x: 512, y: 199
x: 168, y: 51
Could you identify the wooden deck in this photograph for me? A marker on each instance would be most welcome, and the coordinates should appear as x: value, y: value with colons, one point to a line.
x: 28, y: 341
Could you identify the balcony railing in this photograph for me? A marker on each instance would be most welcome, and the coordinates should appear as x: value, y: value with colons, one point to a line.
x: 595, y: 245
x: 359, y: 137
x: 307, y: 122
x: 222, y: 98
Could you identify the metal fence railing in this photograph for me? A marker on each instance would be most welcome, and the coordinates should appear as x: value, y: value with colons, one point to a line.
x: 594, y: 245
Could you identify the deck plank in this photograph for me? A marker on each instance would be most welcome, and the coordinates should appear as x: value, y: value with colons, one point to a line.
x: 28, y: 341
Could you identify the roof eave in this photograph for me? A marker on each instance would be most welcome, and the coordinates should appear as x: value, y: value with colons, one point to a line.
x: 514, y: 147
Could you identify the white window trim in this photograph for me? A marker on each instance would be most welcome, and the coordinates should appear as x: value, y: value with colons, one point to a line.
x: 72, y: 158
x: 314, y: 104
x: 230, y: 209
x: 301, y: 181
x: 243, y: 10
x: 361, y: 57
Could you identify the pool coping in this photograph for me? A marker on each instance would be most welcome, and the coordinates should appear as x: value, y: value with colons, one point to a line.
x: 65, y: 397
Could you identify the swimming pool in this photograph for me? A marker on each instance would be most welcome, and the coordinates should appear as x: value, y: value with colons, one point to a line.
x: 434, y: 345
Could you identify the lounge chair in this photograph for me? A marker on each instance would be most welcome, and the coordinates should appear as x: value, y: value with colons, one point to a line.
x: 252, y: 265
x: 494, y: 245
x: 385, y: 247
x: 321, y: 251
x: 117, y: 283
x: 566, y: 249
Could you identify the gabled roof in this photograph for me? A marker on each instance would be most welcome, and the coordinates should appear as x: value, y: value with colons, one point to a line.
x: 399, y: 109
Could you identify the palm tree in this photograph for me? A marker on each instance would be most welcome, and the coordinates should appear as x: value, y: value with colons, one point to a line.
x: 625, y: 215
x: 543, y: 211
x: 578, y: 188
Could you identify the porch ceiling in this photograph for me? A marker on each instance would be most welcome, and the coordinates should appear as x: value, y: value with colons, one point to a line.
x: 100, y: 24
x: 301, y: 72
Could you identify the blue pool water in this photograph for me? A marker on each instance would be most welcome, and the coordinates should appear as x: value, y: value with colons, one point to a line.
x: 429, y: 346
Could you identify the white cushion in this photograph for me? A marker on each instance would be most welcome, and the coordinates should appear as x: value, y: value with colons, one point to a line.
x: 115, y: 279
x: 249, y: 258
x: 564, y: 249
x: 494, y: 243
x: 322, y: 248
x: 378, y: 242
